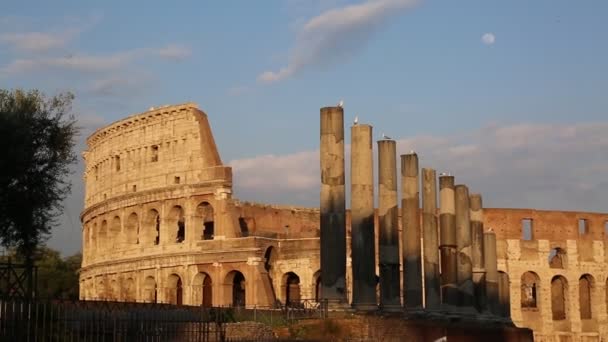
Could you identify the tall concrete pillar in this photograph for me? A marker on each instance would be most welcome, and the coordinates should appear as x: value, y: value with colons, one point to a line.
x: 463, y: 238
x: 476, y: 211
x: 447, y: 243
x: 432, y: 294
x: 410, y: 218
x: 362, y: 219
x: 390, y: 299
x: 332, y: 206
x: 489, y: 246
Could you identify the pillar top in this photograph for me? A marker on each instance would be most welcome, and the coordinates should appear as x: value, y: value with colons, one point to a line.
x: 446, y: 181
x: 475, y: 202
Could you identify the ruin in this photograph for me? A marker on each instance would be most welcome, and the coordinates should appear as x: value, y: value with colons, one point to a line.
x: 160, y: 224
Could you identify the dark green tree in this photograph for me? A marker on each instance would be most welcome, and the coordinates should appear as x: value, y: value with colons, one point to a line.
x: 37, y: 135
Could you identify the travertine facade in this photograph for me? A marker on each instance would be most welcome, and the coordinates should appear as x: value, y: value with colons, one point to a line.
x: 160, y: 223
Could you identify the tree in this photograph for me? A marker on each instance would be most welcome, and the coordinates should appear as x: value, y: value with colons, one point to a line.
x: 57, y: 276
x: 37, y: 135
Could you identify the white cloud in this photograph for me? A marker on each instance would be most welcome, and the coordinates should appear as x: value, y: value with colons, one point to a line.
x: 488, y: 38
x: 545, y: 166
x: 92, y: 63
x: 38, y: 41
x: 336, y: 34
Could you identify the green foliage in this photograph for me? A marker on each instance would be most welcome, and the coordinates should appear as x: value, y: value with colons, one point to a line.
x: 37, y: 136
x: 57, y: 276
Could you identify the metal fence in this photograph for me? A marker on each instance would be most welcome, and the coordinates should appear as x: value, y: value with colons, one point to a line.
x: 121, y: 321
x: 109, y: 321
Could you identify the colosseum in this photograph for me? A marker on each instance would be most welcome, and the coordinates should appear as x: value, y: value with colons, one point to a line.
x: 160, y: 224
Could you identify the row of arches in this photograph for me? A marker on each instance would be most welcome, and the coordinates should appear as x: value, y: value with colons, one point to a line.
x: 173, y: 290
x: 531, y: 291
x: 145, y: 229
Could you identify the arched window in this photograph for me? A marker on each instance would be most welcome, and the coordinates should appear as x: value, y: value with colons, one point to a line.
x: 235, y: 282
x: 129, y: 290
x: 178, y: 221
x: 585, y: 284
x: 205, y: 216
x: 151, y: 231
x: 102, y: 236
x: 114, y: 232
x: 150, y: 294
x: 559, y: 295
x: 529, y: 290
x: 174, y: 290
x: 291, y: 289
x: 202, y: 288
x: 317, y: 279
x: 132, y: 229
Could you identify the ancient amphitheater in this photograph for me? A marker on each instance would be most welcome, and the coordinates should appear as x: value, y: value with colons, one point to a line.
x: 161, y: 224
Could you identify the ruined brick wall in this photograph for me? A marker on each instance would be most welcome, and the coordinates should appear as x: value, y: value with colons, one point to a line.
x: 557, y: 268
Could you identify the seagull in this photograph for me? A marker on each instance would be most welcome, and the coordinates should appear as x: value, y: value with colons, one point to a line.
x: 341, y: 103
x: 443, y: 174
x: 412, y: 152
x: 490, y: 230
x: 356, y: 121
x: 384, y: 136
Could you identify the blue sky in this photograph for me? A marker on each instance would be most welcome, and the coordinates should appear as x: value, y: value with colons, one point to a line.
x: 520, y: 117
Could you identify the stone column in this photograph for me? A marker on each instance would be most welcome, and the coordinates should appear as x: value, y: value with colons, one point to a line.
x: 410, y: 218
x: 491, y: 266
x: 432, y: 294
x: 476, y: 212
x: 362, y: 219
x: 447, y: 244
x: 390, y: 299
x: 332, y: 206
x: 463, y: 231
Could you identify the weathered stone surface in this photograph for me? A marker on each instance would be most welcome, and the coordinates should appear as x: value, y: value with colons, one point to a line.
x: 410, y: 206
x: 362, y: 219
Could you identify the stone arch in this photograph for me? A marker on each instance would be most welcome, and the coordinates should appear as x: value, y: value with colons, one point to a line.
x: 102, y: 236
x: 317, y: 285
x: 557, y: 258
x: 114, y: 290
x: 92, y: 238
x: 504, y: 298
x: 205, y: 216
x: 101, y: 289
x: 530, y: 290
x: 150, y: 291
x: 234, y: 289
x: 132, y: 229
x: 291, y: 289
x: 585, y: 288
x: 151, y: 231
x: 174, y: 290
x: 559, y: 298
x: 202, y: 290
x: 114, y: 232
x: 177, y: 223
x: 128, y: 290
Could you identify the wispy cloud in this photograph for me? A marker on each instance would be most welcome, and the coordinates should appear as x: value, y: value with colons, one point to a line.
x: 92, y: 63
x: 547, y: 166
x: 336, y: 34
x: 38, y: 41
